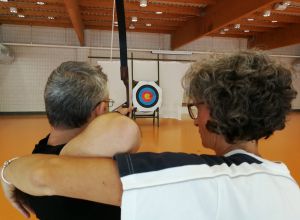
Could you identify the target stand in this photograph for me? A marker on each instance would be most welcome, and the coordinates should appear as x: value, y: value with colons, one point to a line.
x: 146, y: 100
x: 147, y: 96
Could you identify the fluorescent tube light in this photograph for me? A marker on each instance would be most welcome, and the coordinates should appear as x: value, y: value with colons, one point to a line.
x: 171, y: 52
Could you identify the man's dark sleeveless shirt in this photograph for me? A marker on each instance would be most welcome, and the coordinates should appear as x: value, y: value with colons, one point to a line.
x: 63, y: 208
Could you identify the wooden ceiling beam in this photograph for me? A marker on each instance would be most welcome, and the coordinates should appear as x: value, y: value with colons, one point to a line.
x: 196, y: 2
x: 130, y: 14
x: 279, y: 37
x: 87, y: 18
x: 252, y: 28
x: 26, y: 5
x: 25, y: 19
x: 292, y: 9
x: 278, y: 17
x: 75, y: 16
x: 166, y: 17
x: 261, y: 23
x: 217, y: 16
x: 169, y: 17
x: 135, y: 7
x: 234, y: 32
x: 140, y: 25
x: 128, y: 22
x: 286, y: 12
x: 255, y: 29
x: 37, y: 14
x: 147, y: 30
x: 230, y: 35
x: 193, y: 2
x: 161, y: 22
x: 47, y: 2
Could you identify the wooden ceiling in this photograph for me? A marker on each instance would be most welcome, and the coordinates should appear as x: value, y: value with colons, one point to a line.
x: 185, y: 20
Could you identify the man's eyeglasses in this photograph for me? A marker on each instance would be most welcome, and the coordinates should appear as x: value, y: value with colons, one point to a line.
x: 193, y: 109
x: 109, y: 101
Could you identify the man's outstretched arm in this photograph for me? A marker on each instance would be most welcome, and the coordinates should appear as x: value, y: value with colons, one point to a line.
x: 95, y: 179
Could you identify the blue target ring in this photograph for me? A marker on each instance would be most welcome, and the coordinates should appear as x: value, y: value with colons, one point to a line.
x: 147, y: 91
x: 147, y: 96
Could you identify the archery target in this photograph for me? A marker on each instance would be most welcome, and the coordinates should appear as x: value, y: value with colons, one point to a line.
x: 146, y: 96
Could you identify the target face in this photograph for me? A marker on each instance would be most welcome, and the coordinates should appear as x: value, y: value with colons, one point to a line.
x: 146, y: 96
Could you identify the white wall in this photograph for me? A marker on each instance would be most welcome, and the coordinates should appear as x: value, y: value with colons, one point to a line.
x: 22, y: 83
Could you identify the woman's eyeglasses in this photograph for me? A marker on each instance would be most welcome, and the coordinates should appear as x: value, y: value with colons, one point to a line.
x: 193, y: 109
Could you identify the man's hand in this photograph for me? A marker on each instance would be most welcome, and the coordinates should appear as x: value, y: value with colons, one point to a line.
x: 124, y: 110
x: 9, y: 193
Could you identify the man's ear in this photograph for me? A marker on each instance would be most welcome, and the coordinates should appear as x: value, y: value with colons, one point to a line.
x: 101, y: 108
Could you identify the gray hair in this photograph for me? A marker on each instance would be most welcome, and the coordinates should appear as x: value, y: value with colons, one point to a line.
x: 248, y: 94
x: 72, y: 92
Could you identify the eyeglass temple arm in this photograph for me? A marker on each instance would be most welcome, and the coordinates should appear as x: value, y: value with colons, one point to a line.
x: 122, y: 105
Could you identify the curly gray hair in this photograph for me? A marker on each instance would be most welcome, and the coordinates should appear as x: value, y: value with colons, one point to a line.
x: 248, y: 94
x: 72, y: 92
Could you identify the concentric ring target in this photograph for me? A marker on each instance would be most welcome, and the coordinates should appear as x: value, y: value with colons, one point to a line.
x: 146, y: 96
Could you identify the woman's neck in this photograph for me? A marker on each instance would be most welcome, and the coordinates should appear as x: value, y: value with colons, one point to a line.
x: 249, y: 146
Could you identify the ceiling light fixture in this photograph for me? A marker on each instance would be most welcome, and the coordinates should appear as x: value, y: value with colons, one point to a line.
x: 287, y: 3
x: 226, y: 29
x: 13, y: 10
x: 134, y: 19
x: 143, y: 3
x: 40, y: 3
x: 267, y: 13
x: 246, y: 31
x: 148, y: 25
x: 3, y: 0
x: 237, y: 26
x: 131, y: 26
x: 158, y: 12
x: 21, y: 16
x: 250, y: 19
x: 274, y: 21
x: 51, y: 17
x: 282, y: 6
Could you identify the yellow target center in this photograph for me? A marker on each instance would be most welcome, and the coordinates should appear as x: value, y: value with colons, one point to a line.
x: 147, y: 96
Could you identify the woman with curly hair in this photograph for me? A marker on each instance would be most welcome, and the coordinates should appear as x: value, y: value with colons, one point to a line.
x: 235, y: 101
x: 239, y: 99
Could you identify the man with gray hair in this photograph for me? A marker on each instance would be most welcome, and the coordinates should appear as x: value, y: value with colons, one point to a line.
x: 75, y: 94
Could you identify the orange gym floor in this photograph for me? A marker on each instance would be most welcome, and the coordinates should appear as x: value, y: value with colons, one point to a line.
x: 18, y: 134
